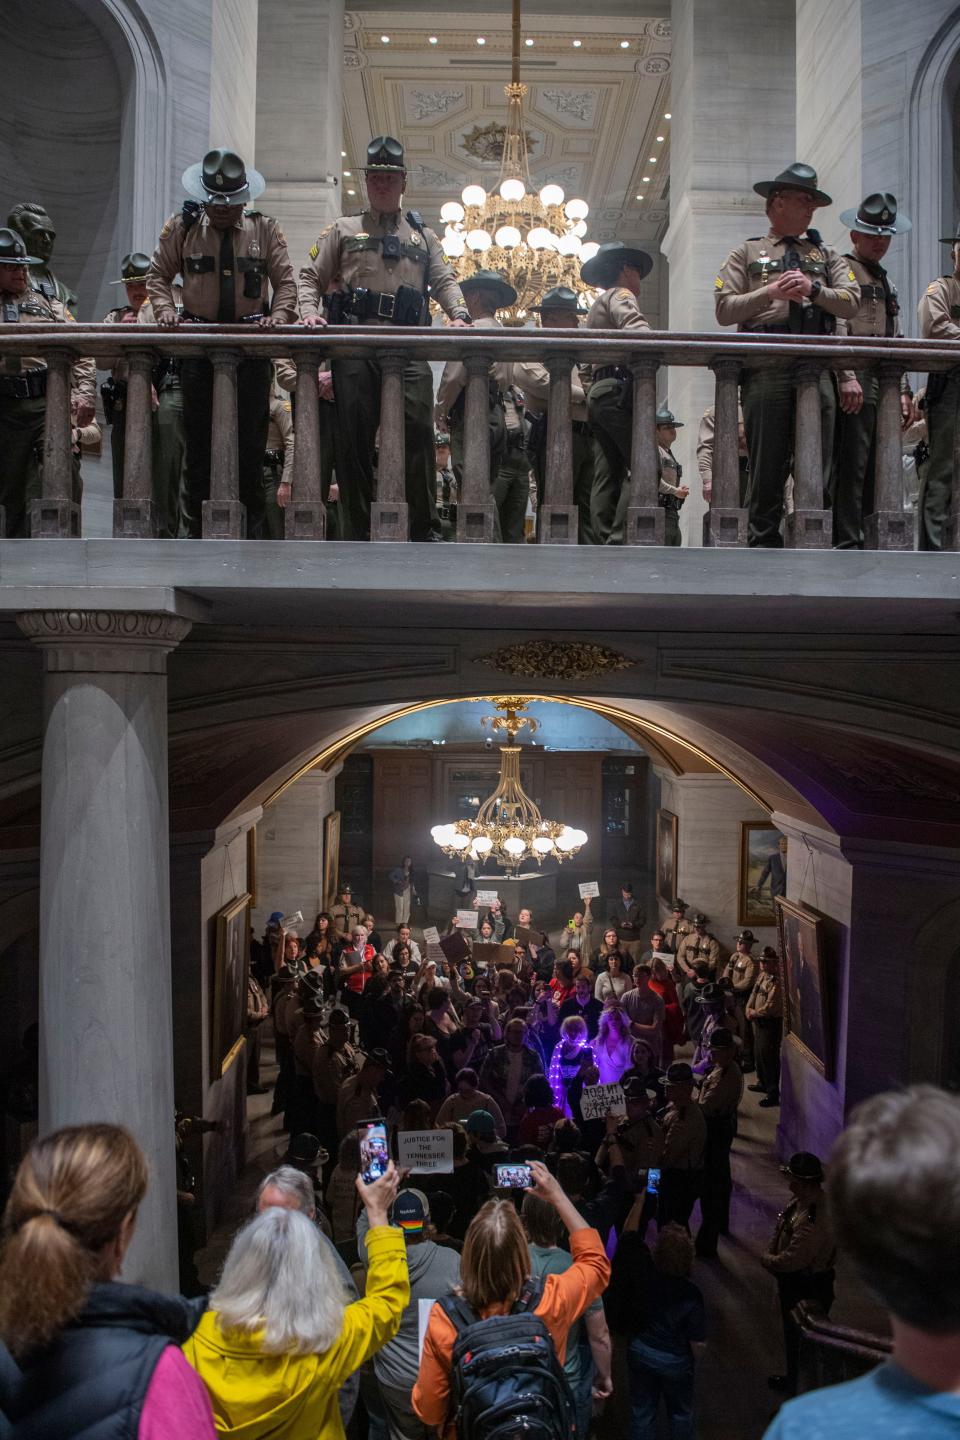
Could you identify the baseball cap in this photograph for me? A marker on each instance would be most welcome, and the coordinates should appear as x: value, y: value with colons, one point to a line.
x: 411, y: 1210
x: 481, y: 1122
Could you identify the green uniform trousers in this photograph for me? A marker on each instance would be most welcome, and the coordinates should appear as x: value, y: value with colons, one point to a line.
x: 511, y: 492
x: 769, y: 402
x: 272, y: 512
x: 21, y: 447
x: 498, y: 450
x: 169, y: 450
x: 253, y: 419
x: 356, y: 390
x: 671, y: 526
x: 936, y: 487
x: 587, y: 461
x: 854, y: 469
x: 330, y: 468
x: 611, y: 419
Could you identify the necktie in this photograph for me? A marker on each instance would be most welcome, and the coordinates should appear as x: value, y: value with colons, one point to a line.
x: 891, y: 308
x: 225, y: 310
x: 792, y: 261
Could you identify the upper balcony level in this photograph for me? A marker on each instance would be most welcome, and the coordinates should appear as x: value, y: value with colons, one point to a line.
x: 522, y: 580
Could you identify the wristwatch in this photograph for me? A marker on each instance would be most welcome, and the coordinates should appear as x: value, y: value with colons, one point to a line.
x: 815, y: 289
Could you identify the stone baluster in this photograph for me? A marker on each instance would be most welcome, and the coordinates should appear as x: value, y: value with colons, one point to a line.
x: 557, y: 521
x: 645, y: 517
x: 305, y: 517
x: 475, y: 516
x: 135, y: 515
x: 811, y: 526
x: 951, y: 526
x: 725, y: 522
x: 390, y: 513
x: 106, y: 1045
x: 56, y: 514
x: 224, y: 517
x: 890, y: 527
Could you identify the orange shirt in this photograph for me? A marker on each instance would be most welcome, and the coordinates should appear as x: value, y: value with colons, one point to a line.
x: 565, y: 1298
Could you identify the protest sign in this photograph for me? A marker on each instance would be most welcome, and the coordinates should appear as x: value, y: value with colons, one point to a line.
x: 599, y: 1101
x: 426, y: 1152
x: 589, y: 890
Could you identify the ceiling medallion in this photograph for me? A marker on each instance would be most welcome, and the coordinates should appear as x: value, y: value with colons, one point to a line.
x: 556, y: 660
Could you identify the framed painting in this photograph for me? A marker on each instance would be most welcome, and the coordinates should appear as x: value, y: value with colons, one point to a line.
x: 229, y: 1009
x: 331, y: 858
x: 807, y: 992
x: 252, y: 865
x: 667, y: 856
x: 763, y: 872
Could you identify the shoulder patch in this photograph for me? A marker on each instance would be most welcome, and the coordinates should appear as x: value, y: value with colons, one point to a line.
x: 718, y: 283
x: 314, y: 251
x: 168, y: 227
x: 931, y: 288
x: 850, y: 275
x: 623, y: 292
x: 288, y: 407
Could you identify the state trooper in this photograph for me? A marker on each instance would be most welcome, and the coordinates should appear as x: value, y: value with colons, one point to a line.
x: 485, y: 293
x: 787, y: 282
x: 388, y: 261
x: 230, y: 259
x: 872, y: 226
x: 939, y: 317
x: 700, y: 944
x: 23, y: 388
x: 672, y: 491
x: 133, y: 277
x: 801, y: 1255
x: 678, y: 927
x: 619, y: 269
x: 345, y: 915
x: 560, y: 310
x: 741, y: 970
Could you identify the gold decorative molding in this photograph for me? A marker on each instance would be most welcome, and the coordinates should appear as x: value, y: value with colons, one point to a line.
x: 556, y: 660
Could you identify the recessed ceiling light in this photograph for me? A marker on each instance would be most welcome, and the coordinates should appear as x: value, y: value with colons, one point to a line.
x: 348, y: 173
x: 434, y: 40
x: 624, y: 44
x: 639, y: 197
x: 660, y: 139
x: 351, y: 192
x: 652, y: 159
x: 343, y: 154
x: 384, y: 39
x: 481, y: 40
x: 667, y: 115
x: 646, y: 179
x: 577, y: 44
x: 528, y: 41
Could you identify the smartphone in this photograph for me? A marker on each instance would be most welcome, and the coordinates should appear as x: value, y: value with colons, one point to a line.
x: 653, y: 1182
x: 514, y: 1177
x: 374, y: 1155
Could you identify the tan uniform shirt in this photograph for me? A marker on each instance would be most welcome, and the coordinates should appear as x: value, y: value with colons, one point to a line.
x: 675, y: 932
x: 308, y: 1040
x: 342, y: 250
x: 330, y: 1070
x: 260, y: 256
x: 694, y: 947
x: 722, y: 1090
x: 740, y: 290
x: 454, y: 377
x: 345, y: 919
x: 641, y: 1143
x: 939, y: 310
x: 280, y: 435
x: 670, y: 473
x: 117, y: 366
x: 766, y: 998
x: 803, y: 1240
x: 615, y: 309
x: 705, y: 440
x: 533, y: 379
x: 32, y: 308
x: 684, y: 1137
x: 742, y: 971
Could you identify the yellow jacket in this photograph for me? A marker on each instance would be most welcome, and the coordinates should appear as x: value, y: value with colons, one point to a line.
x: 294, y: 1397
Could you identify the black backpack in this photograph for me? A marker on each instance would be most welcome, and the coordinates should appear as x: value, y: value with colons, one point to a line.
x: 505, y: 1379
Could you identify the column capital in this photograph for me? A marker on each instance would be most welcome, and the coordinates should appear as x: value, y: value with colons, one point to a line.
x: 133, y: 642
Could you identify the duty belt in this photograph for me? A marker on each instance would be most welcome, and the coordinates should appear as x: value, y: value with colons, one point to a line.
x: 669, y: 502
x: 407, y: 307
x: 273, y: 458
x: 28, y: 386
x: 612, y: 372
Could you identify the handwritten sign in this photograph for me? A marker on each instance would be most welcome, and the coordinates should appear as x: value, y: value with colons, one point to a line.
x: 427, y: 1152
x: 599, y: 1101
x: 486, y: 897
x: 467, y: 919
x: 589, y: 890
x: 431, y: 934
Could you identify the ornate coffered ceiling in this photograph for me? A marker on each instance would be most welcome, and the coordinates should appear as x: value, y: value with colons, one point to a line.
x: 594, y: 110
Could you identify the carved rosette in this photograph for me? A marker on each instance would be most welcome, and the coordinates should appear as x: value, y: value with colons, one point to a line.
x: 556, y: 660
x: 129, y: 641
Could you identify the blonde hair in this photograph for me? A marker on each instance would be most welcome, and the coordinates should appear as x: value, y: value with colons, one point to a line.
x: 72, y: 1193
x: 495, y: 1262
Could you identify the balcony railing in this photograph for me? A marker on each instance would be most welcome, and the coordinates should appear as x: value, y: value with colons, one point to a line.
x: 889, y: 528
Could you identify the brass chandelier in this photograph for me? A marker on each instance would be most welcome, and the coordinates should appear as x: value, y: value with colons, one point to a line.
x: 534, y: 241
x: 509, y: 827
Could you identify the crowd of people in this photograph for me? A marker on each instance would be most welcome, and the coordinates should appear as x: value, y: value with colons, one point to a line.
x: 385, y: 267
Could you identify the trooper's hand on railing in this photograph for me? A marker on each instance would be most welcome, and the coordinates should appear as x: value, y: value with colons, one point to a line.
x: 268, y: 322
x: 312, y: 321
x: 170, y: 322
x: 851, y: 397
x: 458, y: 324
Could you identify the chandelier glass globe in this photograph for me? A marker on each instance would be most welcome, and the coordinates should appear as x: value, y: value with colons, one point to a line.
x: 513, y: 189
x: 551, y: 195
x: 474, y: 195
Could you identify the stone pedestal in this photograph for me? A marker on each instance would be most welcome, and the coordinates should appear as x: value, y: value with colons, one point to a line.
x: 105, y: 1006
x: 730, y: 59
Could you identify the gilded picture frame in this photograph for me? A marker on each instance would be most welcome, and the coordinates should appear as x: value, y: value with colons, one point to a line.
x: 252, y: 865
x: 667, y: 857
x: 763, y: 872
x: 806, y: 983
x: 231, y: 964
x: 331, y: 858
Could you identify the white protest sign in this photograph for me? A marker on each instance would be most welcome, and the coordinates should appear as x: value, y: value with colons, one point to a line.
x: 599, y: 1101
x: 424, y: 1307
x: 431, y: 934
x: 589, y: 890
x: 289, y: 921
x: 467, y: 919
x: 426, y: 1152
x: 486, y: 897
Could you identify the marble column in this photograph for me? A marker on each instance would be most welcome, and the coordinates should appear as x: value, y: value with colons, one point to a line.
x: 733, y: 105
x: 105, y: 1004
x: 300, y: 117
